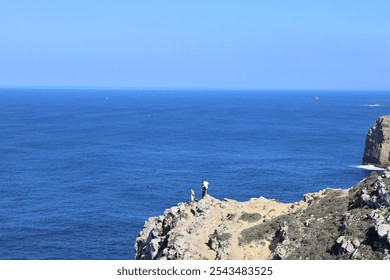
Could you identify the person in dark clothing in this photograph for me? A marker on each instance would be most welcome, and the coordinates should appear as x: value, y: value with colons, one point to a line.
x: 205, y: 186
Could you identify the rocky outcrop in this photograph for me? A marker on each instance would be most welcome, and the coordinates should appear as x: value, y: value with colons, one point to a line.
x: 330, y: 224
x: 207, y: 229
x: 377, y: 148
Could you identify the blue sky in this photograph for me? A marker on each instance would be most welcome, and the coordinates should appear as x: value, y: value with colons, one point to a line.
x: 249, y: 44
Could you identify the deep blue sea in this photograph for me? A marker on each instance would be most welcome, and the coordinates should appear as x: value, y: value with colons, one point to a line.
x: 81, y: 170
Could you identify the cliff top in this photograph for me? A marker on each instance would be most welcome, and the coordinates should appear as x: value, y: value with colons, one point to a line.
x: 330, y: 224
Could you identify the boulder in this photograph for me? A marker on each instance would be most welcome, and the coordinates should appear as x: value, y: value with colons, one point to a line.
x: 382, y: 230
x: 377, y: 148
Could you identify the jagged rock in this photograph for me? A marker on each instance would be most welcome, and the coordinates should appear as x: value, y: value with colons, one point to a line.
x: 219, y: 242
x: 377, y: 147
x: 366, y: 198
x: 379, y: 196
x: 346, y: 245
x: 383, y: 230
x: 386, y: 173
x: 374, y: 215
x: 331, y: 224
x: 174, y: 210
x: 344, y: 222
x: 282, y: 251
x: 207, y: 229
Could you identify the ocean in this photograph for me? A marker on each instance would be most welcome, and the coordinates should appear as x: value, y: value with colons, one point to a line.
x: 81, y: 170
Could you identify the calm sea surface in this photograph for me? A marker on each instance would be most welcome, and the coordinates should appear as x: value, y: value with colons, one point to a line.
x: 81, y: 170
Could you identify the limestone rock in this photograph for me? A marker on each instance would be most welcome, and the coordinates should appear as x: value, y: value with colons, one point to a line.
x: 386, y: 173
x: 377, y: 148
x: 329, y: 224
x: 379, y: 194
x: 383, y: 230
x: 206, y: 229
x: 346, y: 245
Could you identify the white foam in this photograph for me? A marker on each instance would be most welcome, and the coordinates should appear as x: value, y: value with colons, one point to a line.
x: 369, y: 167
x: 377, y: 105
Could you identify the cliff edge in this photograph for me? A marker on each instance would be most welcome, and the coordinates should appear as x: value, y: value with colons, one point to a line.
x: 330, y: 224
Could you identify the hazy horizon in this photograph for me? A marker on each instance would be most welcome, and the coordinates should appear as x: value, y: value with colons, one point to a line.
x: 114, y: 88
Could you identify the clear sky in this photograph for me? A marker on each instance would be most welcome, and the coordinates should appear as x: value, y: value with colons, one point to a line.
x: 254, y: 44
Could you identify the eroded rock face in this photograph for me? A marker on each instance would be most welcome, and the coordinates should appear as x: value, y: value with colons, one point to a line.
x: 207, y: 229
x: 329, y: 224
x: 377, y: 148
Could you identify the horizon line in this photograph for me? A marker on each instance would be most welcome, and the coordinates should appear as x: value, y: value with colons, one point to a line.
x: 187, y: 88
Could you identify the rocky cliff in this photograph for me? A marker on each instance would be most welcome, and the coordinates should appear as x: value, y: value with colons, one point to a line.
x: 377, y: 148
x: 330, y: 224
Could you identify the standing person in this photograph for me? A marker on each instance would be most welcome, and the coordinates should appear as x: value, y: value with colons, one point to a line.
x: 192, y: 192
x: 205, y: 186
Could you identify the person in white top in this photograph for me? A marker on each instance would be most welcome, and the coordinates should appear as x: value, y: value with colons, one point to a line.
x: 192, y: 195
x: 205, y: 186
